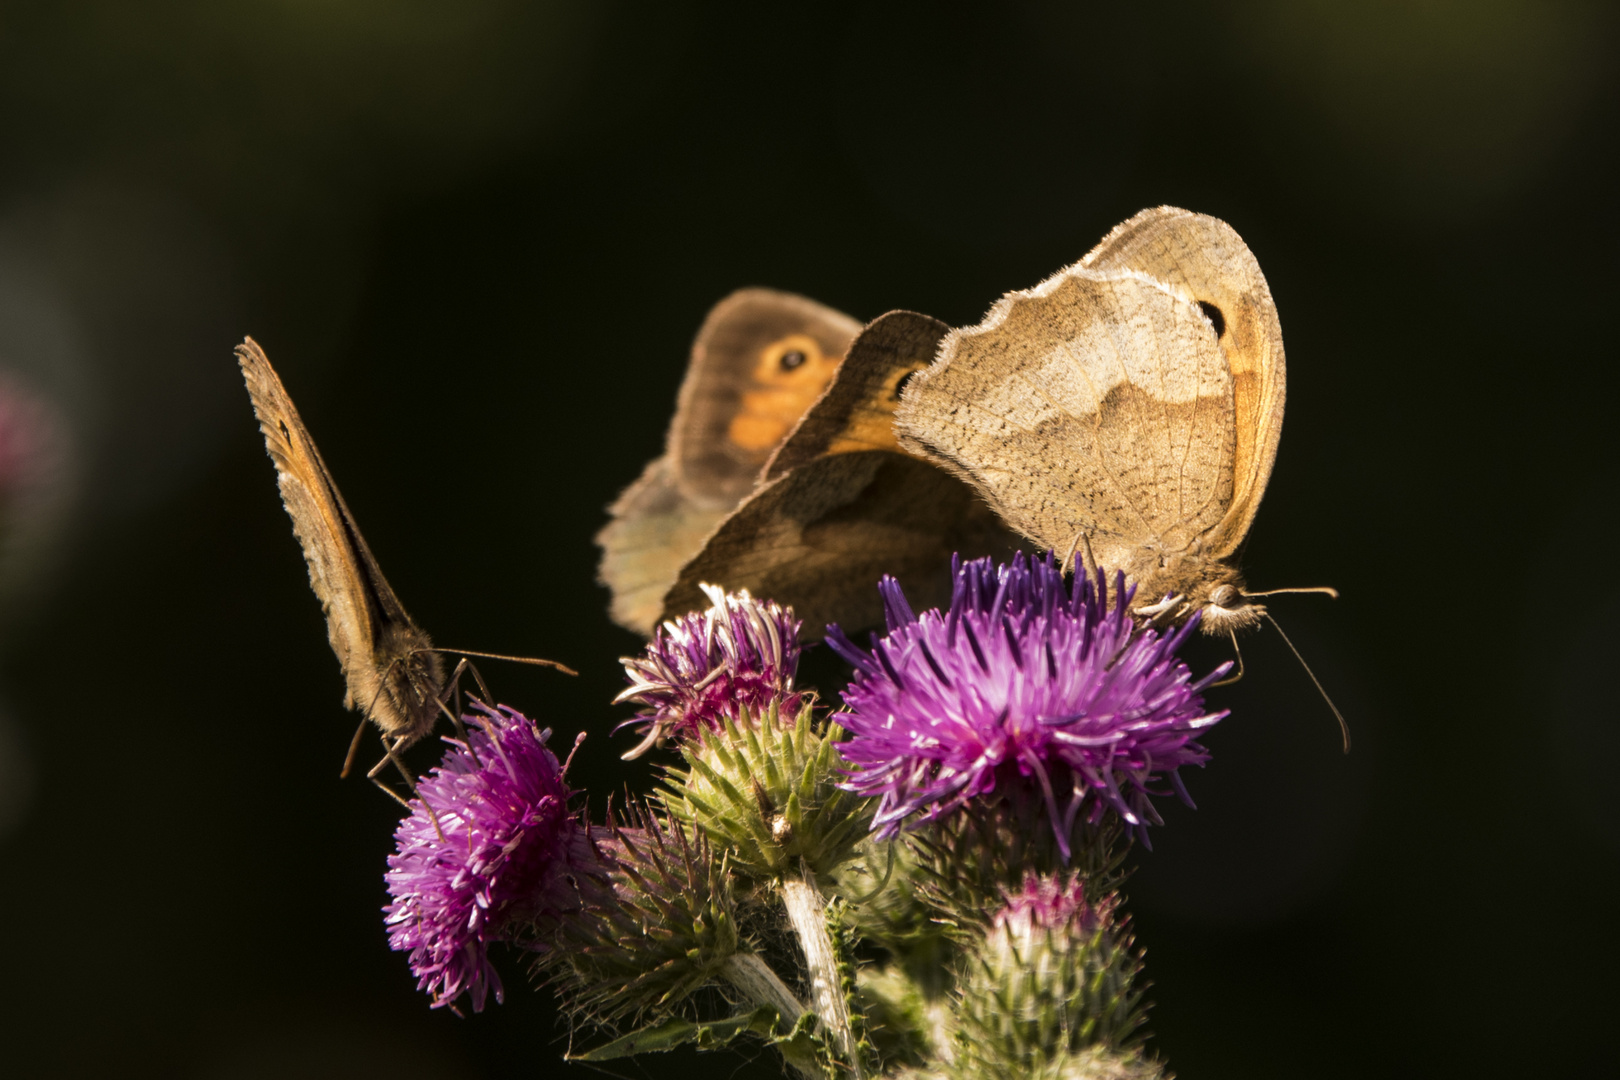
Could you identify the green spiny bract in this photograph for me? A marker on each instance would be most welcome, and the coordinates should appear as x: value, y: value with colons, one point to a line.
x: 966, y: 864
x: 657, y: 930
x: 1052, y: 979
x: 766, y: 793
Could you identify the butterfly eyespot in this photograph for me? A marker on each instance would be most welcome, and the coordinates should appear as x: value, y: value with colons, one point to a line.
x: 1213, y: 314
x: 900, y: 386
x: 791, y: 359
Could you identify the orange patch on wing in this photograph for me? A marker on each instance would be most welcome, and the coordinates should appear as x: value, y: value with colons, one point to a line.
x: 791, y: 373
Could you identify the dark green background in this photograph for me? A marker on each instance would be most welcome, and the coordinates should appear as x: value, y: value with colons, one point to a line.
x: 476, y: 239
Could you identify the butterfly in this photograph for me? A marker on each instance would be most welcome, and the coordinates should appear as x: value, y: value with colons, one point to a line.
x: 393, y: 674
x: 759, y: 360
x: 1126, y: 410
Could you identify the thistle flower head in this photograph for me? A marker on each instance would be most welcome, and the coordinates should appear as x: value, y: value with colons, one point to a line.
x: 487, y: 860
x: 704, y: 668
x: 1054, y: 976
x: 1026, y: 679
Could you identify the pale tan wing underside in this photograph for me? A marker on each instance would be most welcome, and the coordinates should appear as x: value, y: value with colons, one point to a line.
x: 857, y: 410
x: 820, y: 538
x: 1097, y: 403
x: 655, y: 530
x: 1206, y: 258
x: 319, y: 522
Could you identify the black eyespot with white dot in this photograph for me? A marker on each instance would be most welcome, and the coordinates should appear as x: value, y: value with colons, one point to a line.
x: 793, y: 358
x: 1213, y: 314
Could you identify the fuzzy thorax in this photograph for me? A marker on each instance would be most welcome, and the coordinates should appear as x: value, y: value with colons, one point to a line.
x: 1171, y: 588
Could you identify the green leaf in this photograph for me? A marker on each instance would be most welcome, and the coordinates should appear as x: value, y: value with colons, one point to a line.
x: 668, y: 1034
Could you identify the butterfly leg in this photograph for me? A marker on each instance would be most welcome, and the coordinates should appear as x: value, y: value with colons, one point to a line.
x: 392, y: 757
x: 1081, y: 546
x: 1239, y: 653
x: 354, y: 749
x: 453, y: 690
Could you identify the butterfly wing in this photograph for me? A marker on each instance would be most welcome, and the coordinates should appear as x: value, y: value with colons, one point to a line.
x: 841, y: 505
x: 389, y: 674
x: 1205, y: 259
x: 758, y: 362
x: 1096, y: 403
x: 820, y: 538
x: 654, y: 532
x: 857, y: 410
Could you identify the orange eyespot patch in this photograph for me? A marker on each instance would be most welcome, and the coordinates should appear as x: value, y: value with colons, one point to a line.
x: 790, y: 375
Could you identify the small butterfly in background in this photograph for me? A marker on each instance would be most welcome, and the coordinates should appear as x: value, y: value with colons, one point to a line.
x: 394, y: 675
x: 758, y: 362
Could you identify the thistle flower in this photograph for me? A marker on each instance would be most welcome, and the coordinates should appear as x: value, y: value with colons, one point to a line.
x: 490, y: 857
x: 1025, y: 679
x: 704, y: 668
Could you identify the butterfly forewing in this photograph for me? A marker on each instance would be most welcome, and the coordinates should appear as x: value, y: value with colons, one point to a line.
x: 758, y: 362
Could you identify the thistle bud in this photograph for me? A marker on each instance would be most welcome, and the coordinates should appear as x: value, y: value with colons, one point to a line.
x: 767, y: 793
x: 1051, y: 987
x: 660, y: 923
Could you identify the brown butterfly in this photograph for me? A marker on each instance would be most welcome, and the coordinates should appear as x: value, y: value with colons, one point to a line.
x: 393, y: 673
x: 840, y: 504
x: 758, y: 362
x: 1126, y: 409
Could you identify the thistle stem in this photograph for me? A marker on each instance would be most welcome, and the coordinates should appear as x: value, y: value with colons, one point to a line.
x: 748, y: 973
x: 754, y: 977
x: 807, y: 912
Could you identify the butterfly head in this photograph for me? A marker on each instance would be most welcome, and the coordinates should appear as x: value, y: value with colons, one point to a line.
x: 1194, y: 584
x: 1226, y: 608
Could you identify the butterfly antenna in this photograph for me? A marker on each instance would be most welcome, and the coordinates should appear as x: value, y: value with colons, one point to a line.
x: 1344, y: 728
x: 1239, y: 654
x: 535, y: 660
x: 1326, y: 590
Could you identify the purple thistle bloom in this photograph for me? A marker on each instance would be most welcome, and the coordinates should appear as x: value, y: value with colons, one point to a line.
x: 1025, y: 678
x: 1054, y: 904
x: 707, y: 666
x: 493, y: 862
